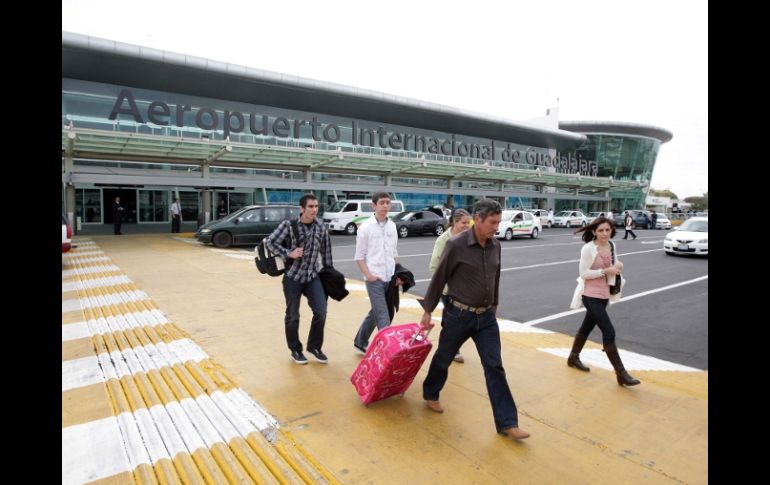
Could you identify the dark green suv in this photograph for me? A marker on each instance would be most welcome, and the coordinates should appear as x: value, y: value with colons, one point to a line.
x: 246, y: 226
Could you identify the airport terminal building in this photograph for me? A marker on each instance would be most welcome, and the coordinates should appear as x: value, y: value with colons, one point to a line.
x: 149, y: 125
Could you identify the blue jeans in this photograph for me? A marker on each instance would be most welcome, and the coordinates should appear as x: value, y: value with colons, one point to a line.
x: 457, y: 326
x: 596, y: 314
x: 378, y: 315
x: 316, y: 298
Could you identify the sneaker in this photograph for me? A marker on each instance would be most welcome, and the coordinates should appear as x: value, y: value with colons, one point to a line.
x: 434, y: 406
x: 515, y: 433
x: 319, y: 356
x: 459, y: 358
x: 361, y: 350
x: 298, y: 357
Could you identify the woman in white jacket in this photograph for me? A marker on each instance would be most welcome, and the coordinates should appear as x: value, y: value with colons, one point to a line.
x: 597, y: 274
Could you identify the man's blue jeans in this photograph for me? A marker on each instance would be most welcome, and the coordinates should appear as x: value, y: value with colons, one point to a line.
x: 316, y: 298
x: 378, y: 315
x: 457, y: 326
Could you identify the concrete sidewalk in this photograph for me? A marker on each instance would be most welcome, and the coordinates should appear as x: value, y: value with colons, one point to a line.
x: 585, y: 428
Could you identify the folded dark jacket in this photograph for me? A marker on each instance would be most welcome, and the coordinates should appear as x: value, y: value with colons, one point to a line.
x: 334, y: 283
x: 391, y: 293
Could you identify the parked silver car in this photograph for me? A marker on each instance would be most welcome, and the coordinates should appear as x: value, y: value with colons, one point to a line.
x: 569, y: 219
x: 662, y: 222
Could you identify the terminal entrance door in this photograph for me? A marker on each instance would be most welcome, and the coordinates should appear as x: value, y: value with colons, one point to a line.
x: 127, y: 200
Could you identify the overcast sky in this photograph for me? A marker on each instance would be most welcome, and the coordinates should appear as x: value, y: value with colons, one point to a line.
x: 638, y: 62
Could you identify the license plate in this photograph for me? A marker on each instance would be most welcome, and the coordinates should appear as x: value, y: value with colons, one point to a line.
x: 683, y: 247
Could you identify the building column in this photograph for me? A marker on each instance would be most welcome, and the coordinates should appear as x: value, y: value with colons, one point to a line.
x: 388, y: 179
x: 206, y: 194
x: 69, y: 190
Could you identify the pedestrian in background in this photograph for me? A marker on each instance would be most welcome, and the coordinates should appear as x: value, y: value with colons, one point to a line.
x: 459, y: 221
x: 471, y: 267
x: 176, y: 216
x: 629, y: 225
x: 654, y: 219
x: 221, y: 209
x: 117, y: 216
x: 597, y: 273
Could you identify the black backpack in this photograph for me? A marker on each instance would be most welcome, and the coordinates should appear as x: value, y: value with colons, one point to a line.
x: 273, y: 264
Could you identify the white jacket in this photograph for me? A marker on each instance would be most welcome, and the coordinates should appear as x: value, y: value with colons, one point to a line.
x: 587, y: 256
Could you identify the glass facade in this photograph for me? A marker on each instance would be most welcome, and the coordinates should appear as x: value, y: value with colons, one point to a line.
x: 89, y: 105
x: 623, y: 157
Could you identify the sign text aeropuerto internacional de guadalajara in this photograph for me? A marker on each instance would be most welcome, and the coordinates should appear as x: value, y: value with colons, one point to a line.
x: 160, y: 113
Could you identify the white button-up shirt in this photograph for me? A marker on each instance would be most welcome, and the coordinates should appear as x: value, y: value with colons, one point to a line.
x: 376, y: 246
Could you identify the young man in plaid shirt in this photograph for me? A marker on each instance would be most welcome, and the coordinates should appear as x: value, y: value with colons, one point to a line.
x: 309, y: 243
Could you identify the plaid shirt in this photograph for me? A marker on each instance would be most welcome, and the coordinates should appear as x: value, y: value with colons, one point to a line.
x: 316, y: 242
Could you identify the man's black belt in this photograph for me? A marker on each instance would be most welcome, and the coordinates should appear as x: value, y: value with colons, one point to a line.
x: 478, y: 310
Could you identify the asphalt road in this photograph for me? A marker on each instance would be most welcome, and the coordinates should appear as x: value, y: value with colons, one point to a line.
x: 656, y: 317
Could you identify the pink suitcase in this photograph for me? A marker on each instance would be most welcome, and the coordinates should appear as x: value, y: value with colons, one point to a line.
x: 391, y: 362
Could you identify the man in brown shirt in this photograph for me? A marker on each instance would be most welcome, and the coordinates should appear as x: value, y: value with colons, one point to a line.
x: 470, y: 266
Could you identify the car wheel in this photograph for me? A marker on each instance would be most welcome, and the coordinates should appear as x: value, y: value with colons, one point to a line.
x: 567, y: 225
x: 439, y: 229
x: 403, y: 231
x: 508, y: 235
x: 534, y: 233
x: 351, y: 229
x: 222, y: 239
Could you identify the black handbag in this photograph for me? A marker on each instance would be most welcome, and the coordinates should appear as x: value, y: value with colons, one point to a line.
x: 615, y: 289
x: 273, y: 264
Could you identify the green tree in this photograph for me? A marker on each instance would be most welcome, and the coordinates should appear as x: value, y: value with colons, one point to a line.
x: 699, y: 203
x: 662, y: 193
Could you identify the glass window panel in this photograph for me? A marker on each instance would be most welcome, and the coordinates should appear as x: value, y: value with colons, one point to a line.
x: 153, y: 206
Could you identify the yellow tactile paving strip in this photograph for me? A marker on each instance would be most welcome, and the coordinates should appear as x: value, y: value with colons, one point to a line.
x: 243, y: 459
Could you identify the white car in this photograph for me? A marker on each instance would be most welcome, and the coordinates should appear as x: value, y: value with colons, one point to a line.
x: 692, y: 237
x: 518, y: 223
x: 662, y: 222
x: 541, y: 214
x: 593, y: 215
x: 569, y: 219
x: 66, y: 234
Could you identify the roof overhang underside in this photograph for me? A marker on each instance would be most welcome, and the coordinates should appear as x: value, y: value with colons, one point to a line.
x: 102, y: 145
x: 618, y: 128
x: 105, y: 61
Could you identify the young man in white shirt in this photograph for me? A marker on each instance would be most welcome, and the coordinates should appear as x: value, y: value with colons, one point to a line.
x: 376, y: 258
x: 176, y: 216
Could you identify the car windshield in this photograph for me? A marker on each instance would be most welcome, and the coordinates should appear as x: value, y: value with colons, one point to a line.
x: 564, y: 214
x: 401, y: 216
x: 337, y: 207
x: 695, y: 226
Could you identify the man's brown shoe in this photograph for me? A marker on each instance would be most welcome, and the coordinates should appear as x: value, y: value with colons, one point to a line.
x: 434, y: 406
x: 515, y: 433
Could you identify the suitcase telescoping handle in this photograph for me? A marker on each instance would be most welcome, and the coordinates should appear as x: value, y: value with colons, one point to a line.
x: 419, y: 336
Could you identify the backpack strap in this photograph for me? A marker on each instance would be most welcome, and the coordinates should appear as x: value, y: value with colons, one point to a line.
x: 294, y: 232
